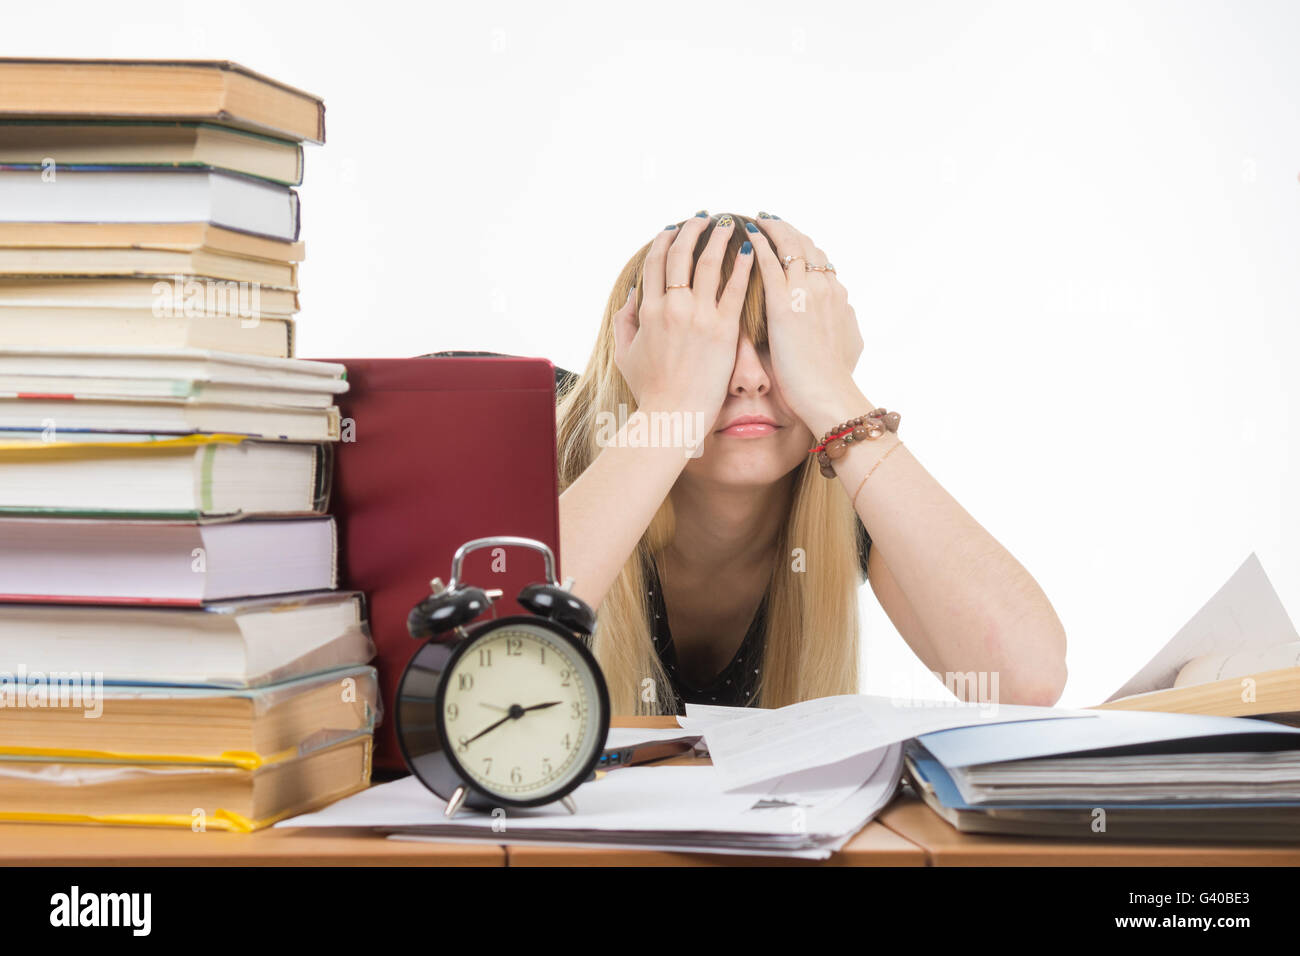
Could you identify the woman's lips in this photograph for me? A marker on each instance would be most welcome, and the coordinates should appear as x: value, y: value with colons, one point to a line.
x: 749, y: 430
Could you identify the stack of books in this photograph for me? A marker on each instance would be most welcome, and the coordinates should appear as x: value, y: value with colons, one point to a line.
x: 1202, y: 743
x: 173, y: 648
x: 1120, y: 775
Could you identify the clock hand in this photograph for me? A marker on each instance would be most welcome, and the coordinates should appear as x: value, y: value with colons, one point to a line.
x: 492, y: 706
x: 492, y: 727
x: 514, y: 714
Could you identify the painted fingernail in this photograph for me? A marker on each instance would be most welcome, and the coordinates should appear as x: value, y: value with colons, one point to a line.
x: 747, y: 248
x: 702, y: 214
x: 725, y: 221
x: 778, y: 218
x: 671, y: 225
x: 750, y: 227
x: 763, y: 215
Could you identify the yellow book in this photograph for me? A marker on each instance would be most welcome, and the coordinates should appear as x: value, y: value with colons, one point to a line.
x: 62, y: 714
x: 199, y: 797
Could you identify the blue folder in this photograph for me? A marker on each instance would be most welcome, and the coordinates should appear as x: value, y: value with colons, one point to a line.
x: 1110, y: 731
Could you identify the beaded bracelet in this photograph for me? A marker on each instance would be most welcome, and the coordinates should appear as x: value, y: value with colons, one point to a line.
x: 835, y: 443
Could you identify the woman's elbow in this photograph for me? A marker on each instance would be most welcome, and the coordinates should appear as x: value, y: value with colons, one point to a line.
x: 1041, y: 681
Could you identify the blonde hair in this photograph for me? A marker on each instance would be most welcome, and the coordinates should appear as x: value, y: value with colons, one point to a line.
x: 810, y: 647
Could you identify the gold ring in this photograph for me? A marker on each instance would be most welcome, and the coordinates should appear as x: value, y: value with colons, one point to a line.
x: 684, y: 285
x: 786, y: 260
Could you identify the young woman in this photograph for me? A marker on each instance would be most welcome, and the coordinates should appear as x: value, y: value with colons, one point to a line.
x: 729, y: 572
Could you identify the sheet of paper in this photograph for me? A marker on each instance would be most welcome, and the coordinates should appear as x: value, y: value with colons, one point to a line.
x: 820, y: 787
x: 667, y: 798
x: 699, y: 716
x: 827, y: 809
x: 819, y: 732
x: 1244, y: 614
x: 849, y: 816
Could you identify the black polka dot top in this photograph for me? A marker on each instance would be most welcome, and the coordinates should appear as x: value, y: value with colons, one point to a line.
x: 736, y: 685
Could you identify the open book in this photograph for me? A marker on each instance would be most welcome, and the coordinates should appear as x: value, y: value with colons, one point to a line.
x: 1239, y: 656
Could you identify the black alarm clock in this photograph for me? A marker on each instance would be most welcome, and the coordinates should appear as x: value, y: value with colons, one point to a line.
x: 511, y: 712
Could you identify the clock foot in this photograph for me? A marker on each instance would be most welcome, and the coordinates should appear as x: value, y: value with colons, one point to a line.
x: 454, y: 804
x: 568, y: 804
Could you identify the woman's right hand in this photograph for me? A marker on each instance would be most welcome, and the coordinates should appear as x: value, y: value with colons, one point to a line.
x: 678, y: 352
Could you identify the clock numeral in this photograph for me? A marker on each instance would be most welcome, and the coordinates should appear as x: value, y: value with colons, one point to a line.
x: 575, y: 710
x: 514, y: 647
x: 567, y: 745
x: 564, y: 678
x: 546, y: 766
x: 485, y: 657
x: 516, y: 775
x: 466, y: 681
x: 462, y: 743
x: 452, y: 711
x: 542, y: 648
x: 488, y: 769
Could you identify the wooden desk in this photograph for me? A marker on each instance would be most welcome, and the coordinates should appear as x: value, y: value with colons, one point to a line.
x: 40, y: 844
x: 906, y: 834
x: 911, y: 819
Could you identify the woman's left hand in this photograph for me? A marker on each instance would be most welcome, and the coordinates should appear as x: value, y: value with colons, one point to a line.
x: 812, y: 330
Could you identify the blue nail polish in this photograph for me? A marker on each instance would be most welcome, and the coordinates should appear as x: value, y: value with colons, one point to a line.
x: 671, y: 225
x: 702, y: 214
x: 747, y: 248
x: 777, y: 218
x: 750, y: 227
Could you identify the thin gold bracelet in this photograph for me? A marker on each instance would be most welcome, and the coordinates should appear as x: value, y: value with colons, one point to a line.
x: 873, y: 468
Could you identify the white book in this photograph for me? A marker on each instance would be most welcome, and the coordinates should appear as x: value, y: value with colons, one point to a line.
x: 127, y: 362
x: 66, y: 417
x: 239, y: 643
x: 165, y: 374
x: 163, y: 562
x: 123, y: 475
x: 150, y: 194
x: 49, y: 326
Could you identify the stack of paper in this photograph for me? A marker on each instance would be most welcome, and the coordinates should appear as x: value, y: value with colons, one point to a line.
x: 808, y: 809
x: 749, y: 746
x: 677, y: 808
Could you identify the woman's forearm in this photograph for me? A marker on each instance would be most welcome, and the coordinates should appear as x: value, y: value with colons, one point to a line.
x: 979, y: 608
x: 604, y: 513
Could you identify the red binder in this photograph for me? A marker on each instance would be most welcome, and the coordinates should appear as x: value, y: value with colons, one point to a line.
x: 437, y: 451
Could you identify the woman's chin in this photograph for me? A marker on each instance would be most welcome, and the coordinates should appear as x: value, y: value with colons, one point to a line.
x: 743, y: 462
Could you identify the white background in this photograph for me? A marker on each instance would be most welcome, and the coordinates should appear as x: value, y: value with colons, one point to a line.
x: 1070, y: 232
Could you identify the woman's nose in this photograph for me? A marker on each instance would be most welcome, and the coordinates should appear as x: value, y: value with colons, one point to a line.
x: 748, y: 377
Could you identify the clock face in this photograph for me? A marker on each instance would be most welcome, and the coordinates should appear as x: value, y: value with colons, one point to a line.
x: 521, y: 711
